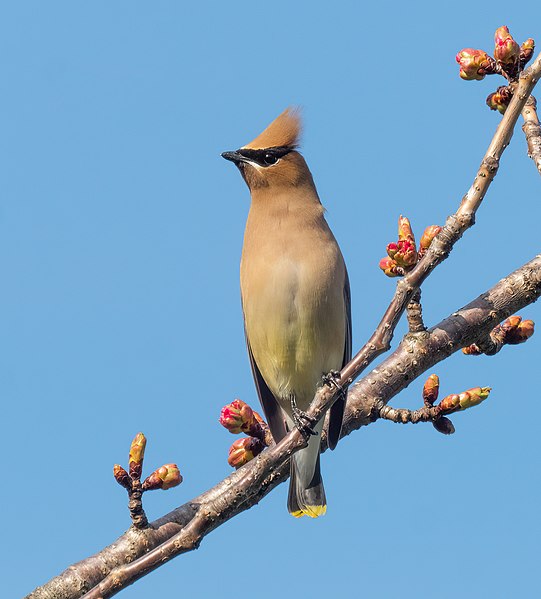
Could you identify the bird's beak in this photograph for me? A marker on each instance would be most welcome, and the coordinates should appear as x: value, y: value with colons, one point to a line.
x: 234, y: 157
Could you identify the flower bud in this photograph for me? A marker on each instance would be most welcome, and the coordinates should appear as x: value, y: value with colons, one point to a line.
x: 165, y: 477
x: 517, y: 330
x: 243, y: 450
x: 506, y: 50
x: 443, y: 425
x: 471, y: 350
x: 431, y: 389
x: 526, y: 52
x: 450, y: 403
x: 122, y: 477
x: 499, y: 100
x: 473, y: 397
x: 237, y: 417
x: 137, y: 455
x: 406, y: 256
x: 475, y: 64
x: 404, y: 229
x: 390, y: 267
x: 428, y: 236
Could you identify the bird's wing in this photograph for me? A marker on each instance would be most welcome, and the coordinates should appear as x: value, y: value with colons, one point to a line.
x: 337, y: 409
x: 271, y: 408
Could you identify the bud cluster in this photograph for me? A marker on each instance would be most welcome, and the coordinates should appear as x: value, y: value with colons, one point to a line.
x: 451, y: 403
x: 238, y: 417
x: 509, y: 61
x: 403, y: 254
x: 511, y: 331
x: 165, y: 477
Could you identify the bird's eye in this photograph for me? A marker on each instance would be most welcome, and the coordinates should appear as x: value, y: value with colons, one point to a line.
x: 269, y: 158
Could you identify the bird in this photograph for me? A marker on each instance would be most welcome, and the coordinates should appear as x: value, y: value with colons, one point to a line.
x: 296, y: 299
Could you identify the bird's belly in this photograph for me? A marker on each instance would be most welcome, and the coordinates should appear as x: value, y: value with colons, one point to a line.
x: 296, y: 330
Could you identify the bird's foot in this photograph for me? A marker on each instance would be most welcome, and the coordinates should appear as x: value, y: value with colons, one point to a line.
x: 332, y: 380
x: 303, y: 422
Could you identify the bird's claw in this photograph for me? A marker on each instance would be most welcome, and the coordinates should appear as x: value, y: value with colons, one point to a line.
x: 303, y: 421
x: 332, y: 380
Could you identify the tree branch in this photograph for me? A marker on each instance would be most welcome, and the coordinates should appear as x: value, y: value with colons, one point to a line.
x: 532, y: 131
x: 183, y: 529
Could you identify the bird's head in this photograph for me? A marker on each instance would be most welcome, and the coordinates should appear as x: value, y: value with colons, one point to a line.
x: 272, y: 159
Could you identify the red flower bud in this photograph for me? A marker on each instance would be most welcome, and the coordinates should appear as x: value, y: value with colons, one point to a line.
x: 390, y: 267
x: 137, y: 455
x: 243, y: 450
x: 499, y: 100
x: 406, y: 256
x: 165, y: 477
x: 122, y: 477
x: 237, y: 417
x: 506, y: 50
x: 475, y: 64
x: 431, y: 389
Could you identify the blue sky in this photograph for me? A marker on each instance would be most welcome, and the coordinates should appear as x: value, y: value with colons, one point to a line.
x: 120, y: 236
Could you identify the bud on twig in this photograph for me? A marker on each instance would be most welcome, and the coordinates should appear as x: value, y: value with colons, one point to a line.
x: 404, y: 230
x: 122, y: 477
x: 430, y: 390
x: 499, y: 100
x: 444, y: 426
x: 237, y: 417
x: 243, y: 450
x: 165, y: 477
x: 526, y: 52
x: 390, y: 267
x: 517, y: 330
x: 506, y: 50
x: 428, y: 236
x: 475, y: 64
x: 473, y: 397
x: 137, y: 455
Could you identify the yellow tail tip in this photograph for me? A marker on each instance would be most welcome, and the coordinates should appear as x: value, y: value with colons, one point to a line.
x: 313, y: 511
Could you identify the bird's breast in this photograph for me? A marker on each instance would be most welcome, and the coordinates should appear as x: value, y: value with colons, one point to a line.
x: 292, y: 295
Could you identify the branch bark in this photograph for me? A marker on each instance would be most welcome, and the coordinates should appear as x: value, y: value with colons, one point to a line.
x: 532, y: 131
x: 104, y: 574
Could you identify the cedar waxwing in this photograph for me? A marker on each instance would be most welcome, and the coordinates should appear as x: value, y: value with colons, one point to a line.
x: 295, y: 298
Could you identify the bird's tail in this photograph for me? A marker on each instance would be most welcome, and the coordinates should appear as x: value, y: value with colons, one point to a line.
x: 306, y: 493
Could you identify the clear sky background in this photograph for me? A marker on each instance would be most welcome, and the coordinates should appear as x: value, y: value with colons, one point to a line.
x: 120, y: 236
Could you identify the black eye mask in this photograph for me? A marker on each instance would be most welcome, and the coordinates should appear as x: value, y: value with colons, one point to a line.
x: 266, y: 157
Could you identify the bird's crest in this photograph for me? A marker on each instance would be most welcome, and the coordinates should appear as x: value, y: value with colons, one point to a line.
x: 284, y: 131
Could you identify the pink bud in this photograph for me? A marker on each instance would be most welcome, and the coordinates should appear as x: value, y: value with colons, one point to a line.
x: 243, y: 450
x: 165, y: 477
x: 475, y: 64
x: 390, y: 267
x: 506, y: 50
x: 237, y: 417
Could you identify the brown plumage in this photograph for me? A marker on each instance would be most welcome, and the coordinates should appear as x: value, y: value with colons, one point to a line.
x: 295, y: 296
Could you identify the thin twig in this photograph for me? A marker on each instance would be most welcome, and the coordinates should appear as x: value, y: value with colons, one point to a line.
x: 414, y: 312
x: 532, y: 131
